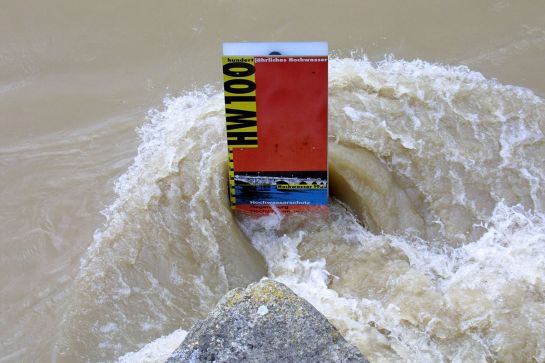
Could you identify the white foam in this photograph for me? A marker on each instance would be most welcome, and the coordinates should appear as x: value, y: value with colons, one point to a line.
x: 157, y: 351
x: 421, y: 317
x: 463, y: 152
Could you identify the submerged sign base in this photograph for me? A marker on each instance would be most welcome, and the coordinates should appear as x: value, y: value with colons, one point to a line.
x: 276, y: 121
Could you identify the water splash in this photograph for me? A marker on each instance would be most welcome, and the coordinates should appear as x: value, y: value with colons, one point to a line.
x: 433, y: 250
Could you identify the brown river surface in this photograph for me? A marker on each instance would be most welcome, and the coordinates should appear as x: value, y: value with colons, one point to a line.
x: 115, y: 230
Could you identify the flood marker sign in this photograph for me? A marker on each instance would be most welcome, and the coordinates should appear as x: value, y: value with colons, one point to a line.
x: 276, y: 124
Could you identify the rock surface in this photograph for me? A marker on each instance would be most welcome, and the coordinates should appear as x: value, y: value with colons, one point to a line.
x: 266, y: 322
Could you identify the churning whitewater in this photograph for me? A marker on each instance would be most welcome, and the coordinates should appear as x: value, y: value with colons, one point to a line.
x: 433, y: 251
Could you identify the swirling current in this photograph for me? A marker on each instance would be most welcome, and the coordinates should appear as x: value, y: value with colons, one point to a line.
x: 433, y: 250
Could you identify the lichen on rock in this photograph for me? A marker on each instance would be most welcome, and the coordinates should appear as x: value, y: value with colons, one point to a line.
x: 266, y: 322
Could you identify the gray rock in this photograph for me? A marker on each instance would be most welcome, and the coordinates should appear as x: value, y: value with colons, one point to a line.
x: 266, y: 322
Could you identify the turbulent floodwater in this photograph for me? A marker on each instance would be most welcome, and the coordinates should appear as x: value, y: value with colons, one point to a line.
x: 433, y: 250
x: 433, y: 246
